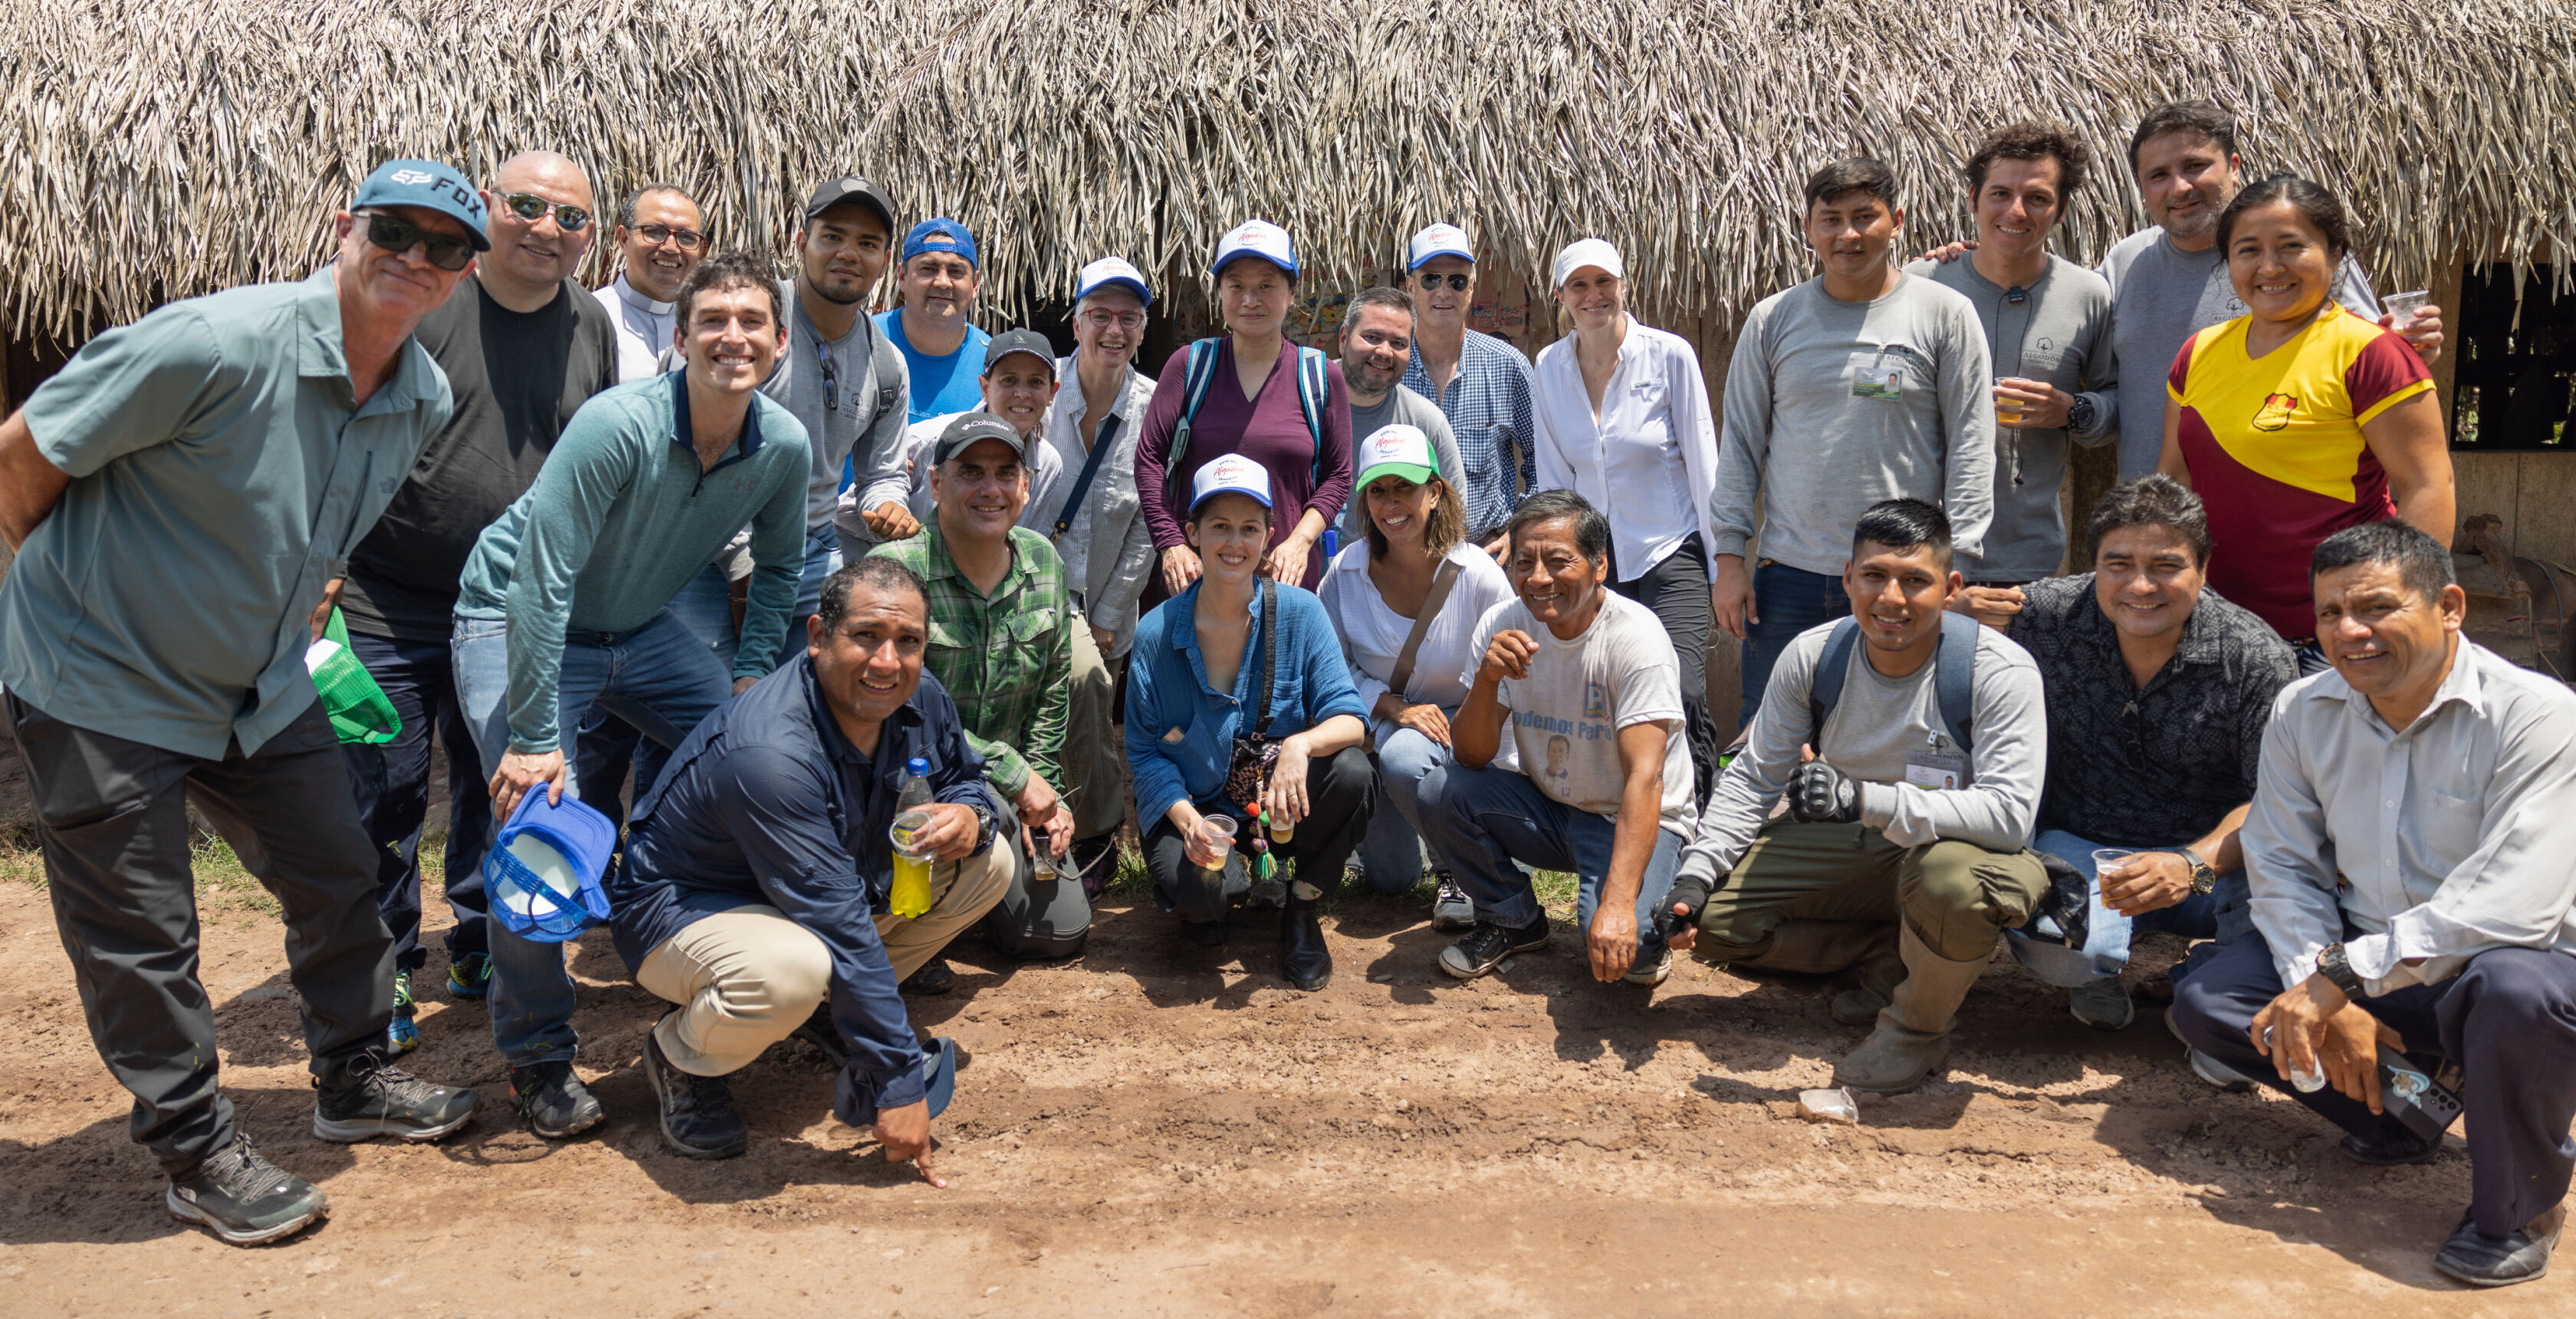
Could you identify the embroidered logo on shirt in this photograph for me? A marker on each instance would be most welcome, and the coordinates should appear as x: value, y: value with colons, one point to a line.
x: 1596, y: 701
x: 2275, y: 413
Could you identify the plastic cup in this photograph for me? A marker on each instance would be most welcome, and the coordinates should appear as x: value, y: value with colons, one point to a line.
x: 1216, y: 834
x: 2103, y: 859
x: 2404, y: 306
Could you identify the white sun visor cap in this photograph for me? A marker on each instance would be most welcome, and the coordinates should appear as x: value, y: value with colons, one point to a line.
x: 1232, y: 474
x: 1112, y: 272
x: 1258, y: 238
x: 1438, y: 240
x: 1588, y: 252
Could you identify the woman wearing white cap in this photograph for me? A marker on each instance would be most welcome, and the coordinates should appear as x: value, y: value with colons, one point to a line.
x: 1406, y: 598
x: 1255, y: 393
x: 1624, y: 420
x: 1203, y: 728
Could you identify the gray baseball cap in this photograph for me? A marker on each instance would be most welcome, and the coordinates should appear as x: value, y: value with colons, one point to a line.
x: 968, y: 427
x: 1019, y: 341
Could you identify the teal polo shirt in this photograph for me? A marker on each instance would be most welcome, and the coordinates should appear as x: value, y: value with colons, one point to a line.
x: 620, y: 518
x: 222, y: 469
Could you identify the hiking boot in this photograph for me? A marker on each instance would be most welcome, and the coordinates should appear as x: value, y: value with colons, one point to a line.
x: 1303, y: 957
x: 2102, y: 1004
x: 698, y: 1120
x: 1094, y: 861
x: 552, y: 1101
x: 819, y: 1031
x: 2480, y: 1260
x: 1452, y: 909
x: 402, y: 1030
x: 1912, y: 1042
x: 469, y: 977
x: 1650, y: 968
x: 1271, y: 892
x: 242, y: 1198
x: 370, y: 1097
x: 934, y: 977
x: 2207, y: 1068
x: 1485, y: 947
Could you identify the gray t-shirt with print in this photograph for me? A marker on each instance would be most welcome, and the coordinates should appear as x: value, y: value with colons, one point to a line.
x: 1566, y: 715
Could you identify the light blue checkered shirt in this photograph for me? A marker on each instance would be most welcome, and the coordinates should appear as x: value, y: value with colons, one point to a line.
x: 1488, y: 407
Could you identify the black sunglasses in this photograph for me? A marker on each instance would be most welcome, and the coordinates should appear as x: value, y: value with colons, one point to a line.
x: 658, y: 234
x: 531, y: 208
x: 396, y: 234
x: 1457, y: 283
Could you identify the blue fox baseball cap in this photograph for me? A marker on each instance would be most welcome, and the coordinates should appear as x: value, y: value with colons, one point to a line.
x: 431, y: 186
x: 940, y: 235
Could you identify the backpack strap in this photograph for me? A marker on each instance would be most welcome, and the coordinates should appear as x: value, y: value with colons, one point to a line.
x: 1954, y: 675
x: 1314, y: 392
x: 1826, y: 687
x: 1195, y: 379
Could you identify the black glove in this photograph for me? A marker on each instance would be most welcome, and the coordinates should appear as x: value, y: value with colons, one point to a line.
x: 1690, y: 893
x: 1822, y: 794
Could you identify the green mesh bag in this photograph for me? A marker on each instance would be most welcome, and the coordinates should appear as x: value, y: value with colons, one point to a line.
x: 359, y: 709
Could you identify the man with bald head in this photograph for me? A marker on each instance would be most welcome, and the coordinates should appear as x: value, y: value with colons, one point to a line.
x: 523, y: 346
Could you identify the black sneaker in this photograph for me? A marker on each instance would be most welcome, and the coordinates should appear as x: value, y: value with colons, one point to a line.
x: 1488, y: 944
x: 2389, y: 1149
x: 2480, y: 1260
x: 243, y: 1199
x: 369, y: 1098
x: 819, y: 1031
x: 697, y: 1111
x: 552, y: 1101
x: 1452, y: 909
x: 934, y: 977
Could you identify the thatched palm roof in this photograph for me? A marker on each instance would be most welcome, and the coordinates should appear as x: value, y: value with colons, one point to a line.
x: 151, y: 151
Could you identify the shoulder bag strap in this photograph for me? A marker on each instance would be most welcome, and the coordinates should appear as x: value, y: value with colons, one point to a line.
x: 1441, y: 581
x: 1269, y: 645
x: 1100, y: 444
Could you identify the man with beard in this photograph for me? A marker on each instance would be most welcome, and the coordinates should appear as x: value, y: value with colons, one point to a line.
x: 660, y: 238
x: 933, y: 328
x: 1377, y: 346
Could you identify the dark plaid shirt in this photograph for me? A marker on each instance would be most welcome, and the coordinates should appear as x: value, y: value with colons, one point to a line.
x: 2159, y: 765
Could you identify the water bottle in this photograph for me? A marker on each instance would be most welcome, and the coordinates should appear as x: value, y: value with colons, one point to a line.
x: 910, y: 895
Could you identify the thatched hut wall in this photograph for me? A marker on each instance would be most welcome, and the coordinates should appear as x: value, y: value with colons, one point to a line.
x: 154, y: 151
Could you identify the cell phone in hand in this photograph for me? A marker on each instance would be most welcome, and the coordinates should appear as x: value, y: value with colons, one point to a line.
x: 2422, y: 1104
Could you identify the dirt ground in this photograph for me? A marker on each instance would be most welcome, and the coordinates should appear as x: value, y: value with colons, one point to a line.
x: 1163, y: 1129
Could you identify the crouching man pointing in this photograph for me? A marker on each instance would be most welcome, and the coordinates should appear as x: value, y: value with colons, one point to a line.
x: 758, y: 869
x: 1931, y: 742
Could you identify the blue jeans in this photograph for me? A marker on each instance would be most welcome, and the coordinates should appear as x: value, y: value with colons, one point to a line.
x: 608, y: 746
x: 1788, y: 601
x: 1480, y: 820
x: 1391, y: 854
x: 2223, y: 913
x: 392, y: 783
x: 660, y: 678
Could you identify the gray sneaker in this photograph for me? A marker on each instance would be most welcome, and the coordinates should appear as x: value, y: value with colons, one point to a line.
x: 2210, y: 1069
x: 1650, y: 970
x: 244, y: 1199
x: 1452, y: 909
x: 2102, y: 1004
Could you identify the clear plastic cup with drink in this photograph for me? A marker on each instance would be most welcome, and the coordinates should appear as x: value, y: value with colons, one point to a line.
x: 2403, y: 308
x: 2106, y: 859
x: 910, y: 894
x: 1282, y: 829
x: 1214, y: 837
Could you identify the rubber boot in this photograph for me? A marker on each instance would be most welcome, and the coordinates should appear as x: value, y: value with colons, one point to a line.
x: 1813, y: 947
x: 1912, y: 1041
x: 1303, y: 958
x: 1876, y: 976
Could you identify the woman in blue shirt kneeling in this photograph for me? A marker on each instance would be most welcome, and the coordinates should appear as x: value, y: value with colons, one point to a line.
x: 1194, y: 688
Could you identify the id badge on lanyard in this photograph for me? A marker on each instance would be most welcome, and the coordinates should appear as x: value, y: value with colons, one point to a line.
x: 1874, y: 377
x: 1934, y: 767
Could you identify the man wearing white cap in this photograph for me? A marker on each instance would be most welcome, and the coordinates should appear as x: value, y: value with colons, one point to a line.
x: 1861, y: 385
x: 1481, y: 383
x: 1377, y: 341
x: 1093, y: 519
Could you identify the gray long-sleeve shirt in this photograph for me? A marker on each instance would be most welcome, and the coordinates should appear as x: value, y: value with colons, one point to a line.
x: 2059, y: 332
x: 1878, y: 722
x: 1818, y: 429
x: 863, y: 414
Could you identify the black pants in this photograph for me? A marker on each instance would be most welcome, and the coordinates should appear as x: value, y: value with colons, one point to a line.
x: 392, y: 783
x: 1676, y: 588
x: 113, y: 820
x: 1343, y: 794
x: 2508, y: 1018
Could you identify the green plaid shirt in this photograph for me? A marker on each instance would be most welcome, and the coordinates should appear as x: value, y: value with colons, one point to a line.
x: 1006, y: 658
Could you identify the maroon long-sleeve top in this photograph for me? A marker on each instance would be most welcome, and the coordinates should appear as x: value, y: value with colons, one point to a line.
x: 1268, y: 428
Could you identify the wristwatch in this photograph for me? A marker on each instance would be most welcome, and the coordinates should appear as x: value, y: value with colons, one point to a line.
x: 2337, y: 969
x: 984, y: 823
x: 2203, y: 879
x: 2080, y: 414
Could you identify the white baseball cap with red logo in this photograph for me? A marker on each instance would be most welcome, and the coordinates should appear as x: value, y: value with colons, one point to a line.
x: 1438, y: 240
x: 1258, y: 238
x: 1398, y: 450
x: 1230, y: 474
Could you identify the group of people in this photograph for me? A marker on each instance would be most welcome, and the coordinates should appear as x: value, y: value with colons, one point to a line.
x: 787, y: 567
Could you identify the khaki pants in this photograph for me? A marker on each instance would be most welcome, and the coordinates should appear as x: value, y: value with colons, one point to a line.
x: 1094, y: 760
x: 1957, y: 896
x: 747, y: 978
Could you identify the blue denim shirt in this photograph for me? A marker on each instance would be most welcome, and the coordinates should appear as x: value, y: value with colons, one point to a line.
x: 767, y: 802
x: 1181, y: 731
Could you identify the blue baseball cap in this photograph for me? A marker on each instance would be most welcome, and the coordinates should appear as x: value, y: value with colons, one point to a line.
x: 940, y: 235
x: 1111, y: 272
x: 431, y: 186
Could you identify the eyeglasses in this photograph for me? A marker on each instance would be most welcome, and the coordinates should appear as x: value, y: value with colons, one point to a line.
x: 688, y: 240
x: 532, y: 208
x: 396, y: 234
x: 1100, y: 318
x: 1457, y: 283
